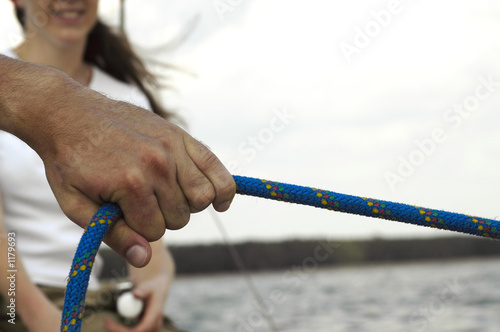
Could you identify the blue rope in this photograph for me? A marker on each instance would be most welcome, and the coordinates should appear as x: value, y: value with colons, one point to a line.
x: 368, y: 207
x: 89, y: 244
x: 78, y: 279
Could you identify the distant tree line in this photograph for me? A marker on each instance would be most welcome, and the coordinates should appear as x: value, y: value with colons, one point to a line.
x: 259, y: 256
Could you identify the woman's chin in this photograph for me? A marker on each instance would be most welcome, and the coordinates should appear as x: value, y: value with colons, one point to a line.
x: 68, y: 40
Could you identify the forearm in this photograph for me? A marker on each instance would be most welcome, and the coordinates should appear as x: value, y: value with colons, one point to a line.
x: 29, y: 100
x: 8, y: 67
x: 10, y: 100
x: 22, y: 88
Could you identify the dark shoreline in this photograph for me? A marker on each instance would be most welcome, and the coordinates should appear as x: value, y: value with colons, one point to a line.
x: 266, y: 256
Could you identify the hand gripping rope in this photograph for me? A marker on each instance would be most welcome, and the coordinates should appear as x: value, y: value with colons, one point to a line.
x: 74, y: 302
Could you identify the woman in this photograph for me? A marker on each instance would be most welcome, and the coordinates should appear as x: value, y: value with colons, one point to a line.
x: 68, y: 36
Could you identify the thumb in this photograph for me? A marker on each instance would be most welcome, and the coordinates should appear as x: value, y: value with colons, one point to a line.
x: 129, y: 244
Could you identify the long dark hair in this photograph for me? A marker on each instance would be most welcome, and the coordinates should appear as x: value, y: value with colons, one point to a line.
x: 112, y: 53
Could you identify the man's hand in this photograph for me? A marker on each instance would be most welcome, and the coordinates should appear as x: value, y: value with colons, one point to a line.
x: 98, y: 150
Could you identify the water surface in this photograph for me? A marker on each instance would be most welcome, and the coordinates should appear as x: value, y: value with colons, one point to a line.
x: 430, y: 296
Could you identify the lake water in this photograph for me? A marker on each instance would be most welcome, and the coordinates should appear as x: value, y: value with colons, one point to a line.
x: 404, y: 297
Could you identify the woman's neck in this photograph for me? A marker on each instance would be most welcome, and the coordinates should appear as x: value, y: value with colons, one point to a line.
x: 67, y: 59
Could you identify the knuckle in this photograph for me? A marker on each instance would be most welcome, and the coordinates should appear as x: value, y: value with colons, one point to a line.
x: 156, y: 159
x: 208, y: 158
x: 180, y: 219
x: 133, y: 181
x: 204, y: 196
x: 226, y: 186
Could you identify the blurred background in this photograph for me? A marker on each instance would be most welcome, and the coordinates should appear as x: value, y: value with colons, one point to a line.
x: 330, y: 95
x: 395, y: 100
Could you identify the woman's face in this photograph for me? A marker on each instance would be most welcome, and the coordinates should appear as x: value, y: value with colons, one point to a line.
x: 64, y: 22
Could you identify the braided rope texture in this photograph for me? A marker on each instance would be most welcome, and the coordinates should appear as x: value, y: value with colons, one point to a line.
x: 368, y: 207
x: 74, y: 302
x: 78, y: 279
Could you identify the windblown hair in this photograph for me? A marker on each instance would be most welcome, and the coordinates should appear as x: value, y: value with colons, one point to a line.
x: 112, y: 53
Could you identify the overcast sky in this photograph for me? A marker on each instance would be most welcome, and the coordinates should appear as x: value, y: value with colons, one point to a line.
x: 395, y: 100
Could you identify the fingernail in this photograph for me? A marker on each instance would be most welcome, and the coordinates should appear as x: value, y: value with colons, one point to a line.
x: 137, y: 255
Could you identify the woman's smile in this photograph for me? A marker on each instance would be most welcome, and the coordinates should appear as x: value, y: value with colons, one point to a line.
x: 69, y: 14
